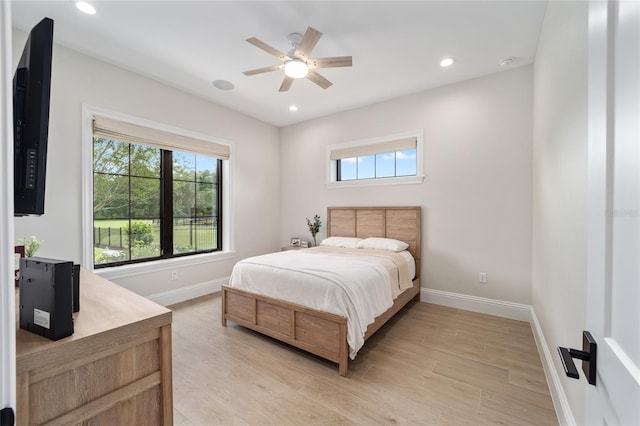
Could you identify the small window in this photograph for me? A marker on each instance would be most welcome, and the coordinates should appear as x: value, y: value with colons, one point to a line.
x: 378, y: 166
x: 389, y: 160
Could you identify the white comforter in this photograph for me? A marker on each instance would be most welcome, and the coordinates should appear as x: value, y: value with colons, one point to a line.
x: 355, y: 283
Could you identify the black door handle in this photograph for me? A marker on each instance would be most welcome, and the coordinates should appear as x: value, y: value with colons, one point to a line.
x: 587, y: 355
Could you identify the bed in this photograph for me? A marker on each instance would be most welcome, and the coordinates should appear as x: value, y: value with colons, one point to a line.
x: 317, y: 331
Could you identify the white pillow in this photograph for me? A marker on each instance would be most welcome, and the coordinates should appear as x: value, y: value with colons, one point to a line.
x: 346, y: 242
x: 388, y: 244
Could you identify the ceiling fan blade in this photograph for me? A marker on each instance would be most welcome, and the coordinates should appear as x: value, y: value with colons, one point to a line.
x: 286, y: 84
x: 333, y: 62
x: 308, y: 42
x: 270, y: 50
x: 318, y: 79
x: 263, y: 70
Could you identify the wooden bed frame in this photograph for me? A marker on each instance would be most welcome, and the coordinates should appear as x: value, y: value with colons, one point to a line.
x: 319, y: 332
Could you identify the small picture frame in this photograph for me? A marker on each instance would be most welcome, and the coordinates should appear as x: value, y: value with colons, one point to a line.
x: 304, y: 244
x: 18, y: 254
x: 295, y: 242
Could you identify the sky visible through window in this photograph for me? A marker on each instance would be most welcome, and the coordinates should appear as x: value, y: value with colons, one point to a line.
x: 186, y: 163
x: 389, y: 164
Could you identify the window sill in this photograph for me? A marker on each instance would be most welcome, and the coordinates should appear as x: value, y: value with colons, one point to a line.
x: 162, y: 265
x: 408, y: 180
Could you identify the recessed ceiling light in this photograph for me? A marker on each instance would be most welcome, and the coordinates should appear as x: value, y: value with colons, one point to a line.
x: 293, y: 108
x: 223, y: 85
x: 447, y: 62
x: 85, y: 7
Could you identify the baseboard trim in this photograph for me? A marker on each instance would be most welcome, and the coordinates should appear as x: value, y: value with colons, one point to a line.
x: 558, y: 396
x: 499, y: 308
x: 181, y: 294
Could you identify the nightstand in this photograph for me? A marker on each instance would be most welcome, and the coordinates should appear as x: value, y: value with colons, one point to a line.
x: 285, y: 248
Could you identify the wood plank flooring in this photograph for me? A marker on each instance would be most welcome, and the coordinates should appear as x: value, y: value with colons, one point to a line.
x: 430, y: 365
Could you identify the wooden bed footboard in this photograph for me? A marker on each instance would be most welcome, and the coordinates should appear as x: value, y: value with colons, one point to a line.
x: 320, y: 333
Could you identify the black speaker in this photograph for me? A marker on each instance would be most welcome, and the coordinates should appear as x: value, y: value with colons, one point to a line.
x: 46, y: 297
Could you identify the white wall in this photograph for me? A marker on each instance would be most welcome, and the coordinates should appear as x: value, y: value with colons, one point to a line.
x: 78, y: 79
x: 476, y: 197
x: 560, y: 185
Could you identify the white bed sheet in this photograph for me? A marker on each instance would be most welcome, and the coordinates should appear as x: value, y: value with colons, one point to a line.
x: 411, y: 263
x: 359, y: 287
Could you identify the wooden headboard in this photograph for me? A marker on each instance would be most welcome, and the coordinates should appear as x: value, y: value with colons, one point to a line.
x: 400, y: 223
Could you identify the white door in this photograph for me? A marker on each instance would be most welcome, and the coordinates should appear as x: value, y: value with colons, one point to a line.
x: 7, y: 295
x: 613, y: 287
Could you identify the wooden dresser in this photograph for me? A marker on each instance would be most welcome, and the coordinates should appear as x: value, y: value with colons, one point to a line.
x: 114, y: 370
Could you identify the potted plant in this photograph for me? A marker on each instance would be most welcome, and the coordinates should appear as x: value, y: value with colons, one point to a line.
x: 314, y: 227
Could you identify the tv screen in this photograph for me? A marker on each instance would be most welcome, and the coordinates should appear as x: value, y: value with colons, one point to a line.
x: 31, y: 92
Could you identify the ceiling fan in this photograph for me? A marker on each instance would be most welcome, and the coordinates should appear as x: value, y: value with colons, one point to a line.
x: 296, y: 63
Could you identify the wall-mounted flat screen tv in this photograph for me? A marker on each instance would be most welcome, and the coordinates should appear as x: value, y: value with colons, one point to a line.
x: 31, y: 93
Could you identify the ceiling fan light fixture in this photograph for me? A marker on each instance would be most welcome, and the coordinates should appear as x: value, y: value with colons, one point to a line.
x: 296, y: 68
x: 299, y: 63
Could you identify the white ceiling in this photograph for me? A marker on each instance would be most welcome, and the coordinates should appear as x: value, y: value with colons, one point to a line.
x: 396, y: 45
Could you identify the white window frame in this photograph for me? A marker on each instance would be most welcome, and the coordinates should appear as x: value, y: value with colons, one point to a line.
x: 227, y: 252
x: 332, y: 165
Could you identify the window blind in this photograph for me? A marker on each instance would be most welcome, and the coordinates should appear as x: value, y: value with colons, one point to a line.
x: 114, y: 129
x: 376, y: 148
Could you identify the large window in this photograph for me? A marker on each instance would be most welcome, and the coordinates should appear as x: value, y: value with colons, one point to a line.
x: 151, y: 202
x: 392, y: 159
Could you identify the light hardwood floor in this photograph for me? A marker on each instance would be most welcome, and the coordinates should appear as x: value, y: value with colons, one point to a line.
x: 430, y: 365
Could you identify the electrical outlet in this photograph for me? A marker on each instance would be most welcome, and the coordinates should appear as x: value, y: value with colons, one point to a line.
x: 174, y: 275
x: 483, y: 277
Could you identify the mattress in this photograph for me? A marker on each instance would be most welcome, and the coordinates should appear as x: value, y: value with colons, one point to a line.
x: 355, y: 283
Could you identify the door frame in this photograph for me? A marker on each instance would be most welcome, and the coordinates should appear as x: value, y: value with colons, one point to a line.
x: 7, y: 292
